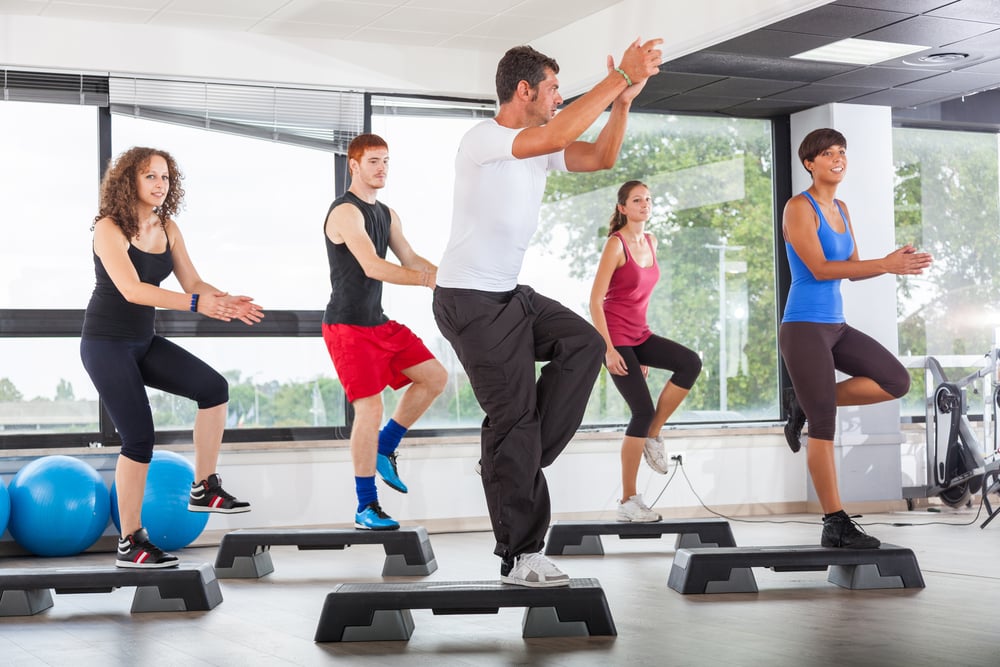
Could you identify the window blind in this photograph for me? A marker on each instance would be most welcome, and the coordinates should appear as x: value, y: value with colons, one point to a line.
x: 317, y: 118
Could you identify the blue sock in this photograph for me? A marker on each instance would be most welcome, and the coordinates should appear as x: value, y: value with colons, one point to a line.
x: 389, y: 437
x: 365, y: 487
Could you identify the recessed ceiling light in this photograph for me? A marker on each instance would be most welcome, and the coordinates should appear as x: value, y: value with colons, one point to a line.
x: 859, y: 51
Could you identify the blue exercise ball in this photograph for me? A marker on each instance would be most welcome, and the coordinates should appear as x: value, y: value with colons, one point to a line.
x: 58, y: 506
x: 4, y: 507
x: 165, y: 515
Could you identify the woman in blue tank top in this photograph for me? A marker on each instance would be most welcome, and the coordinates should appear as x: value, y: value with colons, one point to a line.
x: 136, y: 245
x: 815, y: 340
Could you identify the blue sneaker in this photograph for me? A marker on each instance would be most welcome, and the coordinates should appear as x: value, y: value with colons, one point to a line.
x: 373, y: 518
x: 386, y: 467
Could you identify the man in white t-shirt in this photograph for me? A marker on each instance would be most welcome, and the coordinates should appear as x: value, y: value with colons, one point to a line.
x: 499, y: 329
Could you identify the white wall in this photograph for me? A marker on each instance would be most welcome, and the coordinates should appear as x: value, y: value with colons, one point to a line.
x: 746, y: 471
x: 41, y: 42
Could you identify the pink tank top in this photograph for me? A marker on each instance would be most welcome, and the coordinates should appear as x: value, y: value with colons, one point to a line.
x: 627, y: 299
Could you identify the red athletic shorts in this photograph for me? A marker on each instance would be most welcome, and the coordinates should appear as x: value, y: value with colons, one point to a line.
x: 369, y: 359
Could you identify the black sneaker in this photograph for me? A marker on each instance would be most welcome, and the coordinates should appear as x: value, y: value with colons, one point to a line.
x: 137, y: 551
x: 796, y: 420
x: 841, y: 531
x: 209, y: 496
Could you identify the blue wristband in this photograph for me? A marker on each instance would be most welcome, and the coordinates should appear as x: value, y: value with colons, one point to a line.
x: 194, y: 303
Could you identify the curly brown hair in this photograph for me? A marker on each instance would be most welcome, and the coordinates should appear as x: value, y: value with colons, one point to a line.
x: 119, y: 194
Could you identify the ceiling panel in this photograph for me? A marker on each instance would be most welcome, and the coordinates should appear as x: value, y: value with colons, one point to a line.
x: 839, y: 21
x: 956, y: 83
x: 819, y: 94
x: 773, y: 43
x: 971, y: 10
x: 757, y: 65
x: 906, y: 6
x: 896, y: 97
x: 929, y: 31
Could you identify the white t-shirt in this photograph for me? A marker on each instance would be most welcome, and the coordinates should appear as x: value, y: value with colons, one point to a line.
x: 497, y: 200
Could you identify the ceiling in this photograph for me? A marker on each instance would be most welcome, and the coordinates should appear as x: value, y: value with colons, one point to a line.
x: 754, y: 75
x: 458, y: 24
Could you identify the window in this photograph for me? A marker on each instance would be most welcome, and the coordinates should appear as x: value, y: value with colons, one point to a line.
x: 48, y: 196
x: 711, y: 182
x: 253, y: 223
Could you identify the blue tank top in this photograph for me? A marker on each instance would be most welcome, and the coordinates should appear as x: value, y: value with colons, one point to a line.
x: 809, y: 299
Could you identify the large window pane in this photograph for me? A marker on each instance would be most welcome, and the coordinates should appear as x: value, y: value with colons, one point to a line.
x: 44, y: 389
x: 947, y: 202
x: 48, y: 198
x: 48, y: 195
x: 711, y: 181
x: 253, y: 219
x: 273, y: 383
x: 420, y: 188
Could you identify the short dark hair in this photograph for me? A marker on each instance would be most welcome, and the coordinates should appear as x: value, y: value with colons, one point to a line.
x: 521, y: 63
x: 818, y: 141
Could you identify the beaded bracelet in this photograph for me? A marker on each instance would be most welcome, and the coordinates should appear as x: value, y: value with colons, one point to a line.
x: 628, y: 79
x: 194, y: 303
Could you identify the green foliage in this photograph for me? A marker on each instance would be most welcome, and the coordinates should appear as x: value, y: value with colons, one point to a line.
x: 8, y: 392
x: 946, y: 202
x: 64, y: 391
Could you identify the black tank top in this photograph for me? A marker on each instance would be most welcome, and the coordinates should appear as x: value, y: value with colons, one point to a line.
x: 354, y: 297
x: 109, y: 316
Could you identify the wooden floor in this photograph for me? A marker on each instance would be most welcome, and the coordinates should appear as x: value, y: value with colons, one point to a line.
x: 796, y: 618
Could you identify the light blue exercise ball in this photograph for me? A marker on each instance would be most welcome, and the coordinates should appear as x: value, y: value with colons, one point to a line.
x: 165, y: 515
x: 4, y: 507
x: 58, y: 506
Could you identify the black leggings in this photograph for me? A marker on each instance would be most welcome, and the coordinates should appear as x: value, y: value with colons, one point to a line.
x: 655, y: 352
x: 813, y: 351
x: 121, y: 369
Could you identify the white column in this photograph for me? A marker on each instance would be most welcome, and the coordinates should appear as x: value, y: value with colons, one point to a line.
x: 868, y: 438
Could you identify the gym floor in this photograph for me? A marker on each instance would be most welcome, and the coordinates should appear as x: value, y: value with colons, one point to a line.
x: 796, y: 618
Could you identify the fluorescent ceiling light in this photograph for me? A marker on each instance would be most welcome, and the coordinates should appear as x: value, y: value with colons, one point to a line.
x: 860, y: 51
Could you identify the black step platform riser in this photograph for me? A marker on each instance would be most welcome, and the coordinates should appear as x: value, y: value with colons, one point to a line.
x: 246, y: 553
x: 582, y: 538
x: 729, y: 570
x: 26, y: 591
x: 380, y: 612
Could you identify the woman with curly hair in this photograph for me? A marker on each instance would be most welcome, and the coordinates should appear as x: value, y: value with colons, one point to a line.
x: 136, y: 245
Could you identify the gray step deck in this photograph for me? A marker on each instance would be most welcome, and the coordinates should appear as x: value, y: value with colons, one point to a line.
x: 379, y: 612
x: 27, y: 591
x: 246, y: 553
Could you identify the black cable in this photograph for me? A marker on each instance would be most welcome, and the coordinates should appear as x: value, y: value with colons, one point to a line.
x: 680, y: 465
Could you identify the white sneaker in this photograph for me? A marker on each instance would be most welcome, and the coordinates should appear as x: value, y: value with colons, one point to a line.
x: 636, y: 511
x: 536, y: 571
x: 655, y: 454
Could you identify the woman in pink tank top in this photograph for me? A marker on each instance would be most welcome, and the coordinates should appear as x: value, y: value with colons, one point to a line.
x: 627, y: 273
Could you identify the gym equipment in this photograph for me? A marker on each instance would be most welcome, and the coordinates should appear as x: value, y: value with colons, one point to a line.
x: 582, y: 538
x: 4, y: 507
x: 165, y: 515
x: 246, y: 553
x: 380, y: 612
x: 728, y: 570
x: 25, y: 591
x: 58, y: 506
x: 957, y: 461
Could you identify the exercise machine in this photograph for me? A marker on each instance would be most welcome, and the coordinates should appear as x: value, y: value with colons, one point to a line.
x: 959, y: 463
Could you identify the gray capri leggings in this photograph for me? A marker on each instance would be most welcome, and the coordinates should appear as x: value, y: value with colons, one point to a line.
x: 813, y: 351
